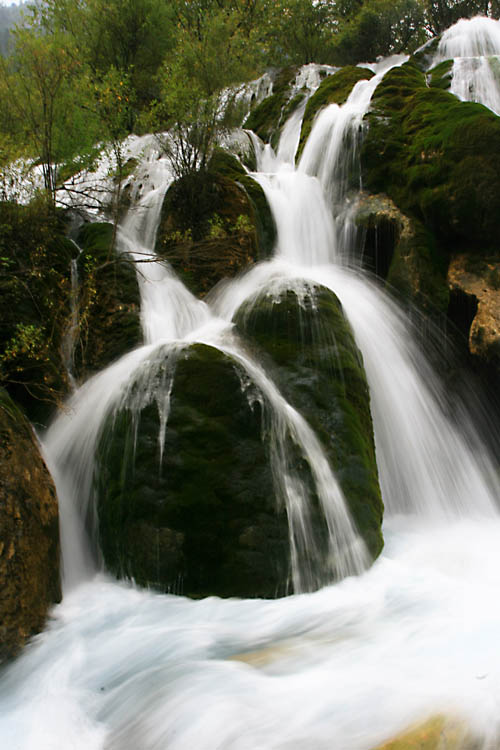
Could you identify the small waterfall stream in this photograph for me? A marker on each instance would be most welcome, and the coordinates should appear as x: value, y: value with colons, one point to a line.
x: 346, y: 666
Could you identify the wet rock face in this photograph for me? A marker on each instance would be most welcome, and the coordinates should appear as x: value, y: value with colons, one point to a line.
x: 29, y: 533
x: 308, y: 345
x: 399, y: 249
x: 475, y: 304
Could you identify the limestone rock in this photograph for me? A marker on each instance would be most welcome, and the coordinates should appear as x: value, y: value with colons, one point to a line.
x: 438, y: 733
x: 29, y: 533
x: 474, y: 289
x: 399, y: 249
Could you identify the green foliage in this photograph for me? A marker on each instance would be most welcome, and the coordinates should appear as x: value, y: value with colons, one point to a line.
x: 441, y: 14
x: 380, y: 27
x: 214, y: 51
x: 303, y: 31
x: 34, y: 299
x: 131, y: 36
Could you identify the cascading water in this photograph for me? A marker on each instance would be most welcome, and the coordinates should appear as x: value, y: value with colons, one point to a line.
x: 346, y: 666
x: 474, y: 46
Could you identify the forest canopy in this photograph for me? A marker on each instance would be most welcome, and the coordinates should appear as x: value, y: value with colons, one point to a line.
x: 82, y: 72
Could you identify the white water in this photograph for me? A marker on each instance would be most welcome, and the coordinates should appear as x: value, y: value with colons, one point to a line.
x: 345, y: 667
x: 474, y: 46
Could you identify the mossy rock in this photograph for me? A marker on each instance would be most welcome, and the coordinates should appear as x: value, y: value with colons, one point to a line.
x: 267, y: 117
x: 29, y: 533
x: 35, y: 309
x: 425, y: 55
x: 400, y: 250
x: 204, y: 521
x: 437, y: 158
x: 214, y: 225
x: 109, y: 302
x: 335, y: 89
x: 441, y: 75
x: 227, y: 165
x: 309, y: 347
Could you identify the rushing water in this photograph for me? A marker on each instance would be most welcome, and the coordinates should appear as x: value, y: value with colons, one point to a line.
x: 474, y: 46
x: 344, y: 667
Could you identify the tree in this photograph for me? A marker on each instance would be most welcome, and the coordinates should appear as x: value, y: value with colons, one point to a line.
x: 303, y: 30
x: 132, y: 36
x: 215, y: 50
x: 441, y: 14
x: 41, y: 101
x: 380, y: 28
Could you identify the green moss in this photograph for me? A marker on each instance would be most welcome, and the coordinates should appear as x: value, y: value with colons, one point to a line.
x: 423, y: 57
x: 440, y: 76
x: 267, y: 117
x: 335, y: 89
x: 309, y: 347
x: 207, y: 515
x: 437, y: 158
x: 109, y: 309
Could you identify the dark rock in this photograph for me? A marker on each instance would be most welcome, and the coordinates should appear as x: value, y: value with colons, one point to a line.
x: 205, y: 521
x: 109, y: 302
x: 399, y: 249
x: 29, y: 533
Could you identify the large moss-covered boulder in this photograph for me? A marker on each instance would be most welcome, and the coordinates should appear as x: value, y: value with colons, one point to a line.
x: 35, y: 306
x: 307, y: 343
x: 29, y: 533
x: 437, y: 158
x: 335, y: 89
x: 108, y: 304
x: 214, y: 224
x: 203, y: 520
x: 402, y: 251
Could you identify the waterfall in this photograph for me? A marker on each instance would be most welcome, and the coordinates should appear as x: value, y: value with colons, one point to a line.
x: 474, y: 46
x: 346, y: 666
